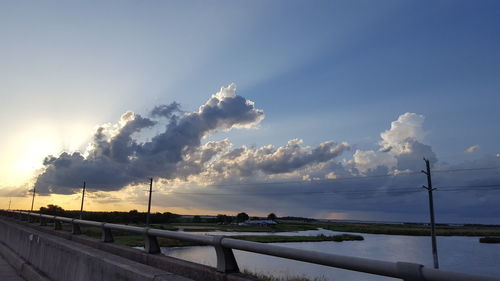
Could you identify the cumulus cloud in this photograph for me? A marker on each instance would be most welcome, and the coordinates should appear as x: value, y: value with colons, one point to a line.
x: 472, y: 149
x: 370, y: 160
x: 116, y: 159
x: 270, y: 160
x: 401, y: 148
x: 408, y: 126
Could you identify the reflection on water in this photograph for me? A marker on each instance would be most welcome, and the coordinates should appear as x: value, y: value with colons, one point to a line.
x: 462, y: 254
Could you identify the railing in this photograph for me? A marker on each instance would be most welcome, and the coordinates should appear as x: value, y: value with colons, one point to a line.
x: 226, y: 261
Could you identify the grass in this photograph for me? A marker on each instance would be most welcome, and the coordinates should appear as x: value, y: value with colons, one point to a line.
x: 372, y: 228
x: 412, y: 229
x: 282, y: 227
x: 270, y: 277
x: 282, y: 239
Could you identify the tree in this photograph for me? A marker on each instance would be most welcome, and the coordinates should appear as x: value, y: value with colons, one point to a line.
x: 271, y: 216
x: 52, y: 210
x: 135, y: 217
x: 223, y: 219
x: 241, y: 217
x: 196, y: 219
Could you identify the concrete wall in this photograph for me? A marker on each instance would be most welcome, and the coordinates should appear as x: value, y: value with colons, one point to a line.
x: 58, y: 259
x: 59, y: 255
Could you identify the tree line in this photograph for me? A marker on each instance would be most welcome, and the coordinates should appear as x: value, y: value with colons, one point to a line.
x: 136, y: 217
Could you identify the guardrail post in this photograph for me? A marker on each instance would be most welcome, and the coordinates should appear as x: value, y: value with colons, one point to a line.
x: 410, y: 271
x: 57, y: 225
x: 106, y: 235
x: 226, y: 262
x: 75, y: 229
x: 151, y: 244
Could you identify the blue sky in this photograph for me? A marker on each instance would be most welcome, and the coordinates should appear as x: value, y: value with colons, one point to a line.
x: 320, y: 71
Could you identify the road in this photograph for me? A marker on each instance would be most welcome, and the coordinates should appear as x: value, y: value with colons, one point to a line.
x: 7, y: 273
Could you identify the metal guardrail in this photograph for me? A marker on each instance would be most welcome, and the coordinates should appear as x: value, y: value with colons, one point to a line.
x: 226, y: 261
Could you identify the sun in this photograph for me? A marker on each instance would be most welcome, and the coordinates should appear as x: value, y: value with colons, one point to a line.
x: 24, y: 151
x: 32, y: 153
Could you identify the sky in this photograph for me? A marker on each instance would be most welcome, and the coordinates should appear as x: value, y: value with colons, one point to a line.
x: 320, y: 109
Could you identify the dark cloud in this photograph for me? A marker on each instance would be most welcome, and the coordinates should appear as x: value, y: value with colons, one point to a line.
x: 13, y: 191
x: 459, y: 197
x: 116, y: 159
x: 166, y: 111
x: 269, y: 160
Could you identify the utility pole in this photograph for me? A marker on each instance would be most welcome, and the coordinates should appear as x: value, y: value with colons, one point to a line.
x: 33, y: 199
x: 10, y: 200
x: 83, y: 197
x: 149, y: 204
x: 431, y: 209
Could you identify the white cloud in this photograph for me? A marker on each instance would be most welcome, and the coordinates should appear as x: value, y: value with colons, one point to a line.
x: 370, y: 160
x: 408, y: 126
x: 401, y: 147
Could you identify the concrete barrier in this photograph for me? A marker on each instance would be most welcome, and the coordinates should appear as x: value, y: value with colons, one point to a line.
x: 39, y: 256
x: 84, y: 255
x: 23, y: 268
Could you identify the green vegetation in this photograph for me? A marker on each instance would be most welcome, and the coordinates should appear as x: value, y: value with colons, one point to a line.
x: 271, y: 216
x: 412, y: 229
x: 281, y: 227
x: 133, y: 217
x: 241, y: 217
x: 270, y: 277
x: 281, y: 238
x: 228, y: 223
x: 372, y: 228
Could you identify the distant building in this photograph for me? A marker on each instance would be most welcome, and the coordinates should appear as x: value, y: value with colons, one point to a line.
x: 259, y: 223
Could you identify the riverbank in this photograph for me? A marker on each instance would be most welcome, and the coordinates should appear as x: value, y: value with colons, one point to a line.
x: 411, y: 229
x: 284, y: 239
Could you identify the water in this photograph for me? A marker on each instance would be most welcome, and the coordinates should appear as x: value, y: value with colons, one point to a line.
x: 456, y: 253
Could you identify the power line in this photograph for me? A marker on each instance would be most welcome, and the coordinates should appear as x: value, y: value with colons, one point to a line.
x: 469, y: 186
x: 466, y: 169
x: 385, y: 191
